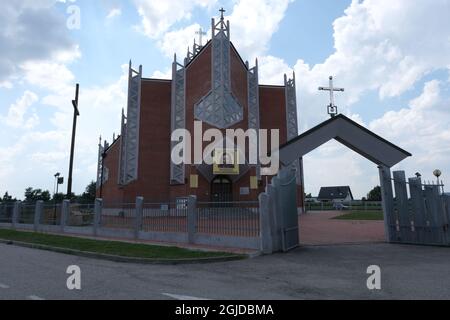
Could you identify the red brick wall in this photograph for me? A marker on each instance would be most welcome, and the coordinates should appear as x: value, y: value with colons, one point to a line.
x: 111, y: 192
x: 154, y: 143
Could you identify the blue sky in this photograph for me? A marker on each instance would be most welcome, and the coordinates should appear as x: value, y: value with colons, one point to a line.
x: 392, y: 59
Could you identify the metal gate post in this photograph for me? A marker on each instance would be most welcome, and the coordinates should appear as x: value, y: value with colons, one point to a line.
x: 388, y: 203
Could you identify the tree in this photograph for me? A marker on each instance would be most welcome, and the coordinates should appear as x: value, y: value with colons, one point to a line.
x: 7, y: 199
x: 58, y: 197
x: 308, y: 196
x: 374, y: 194
x: 33, y: 195
x: 90, y: 193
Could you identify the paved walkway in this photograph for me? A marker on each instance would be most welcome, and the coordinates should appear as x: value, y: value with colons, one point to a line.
x: 319, y: 228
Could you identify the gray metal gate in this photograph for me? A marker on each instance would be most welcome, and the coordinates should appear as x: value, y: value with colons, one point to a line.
x: 279, y: 213
x: 287, y: 195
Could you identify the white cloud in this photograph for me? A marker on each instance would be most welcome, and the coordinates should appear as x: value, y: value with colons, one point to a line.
x: 31, y: 30
x: 17, y: 111
x: 159, y: 16
x: 430, y: 96
x: 254, y: 22
x: 162, y: 75
x: 272, y: 69
x: 381, y: 45
x: 115, y: 12
x: 6, y: 85
x: 178, y: 41
x: 47, y: 75
x: 35, y: 156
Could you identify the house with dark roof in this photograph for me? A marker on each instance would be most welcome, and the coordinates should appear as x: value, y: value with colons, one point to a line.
x: 335, y: 194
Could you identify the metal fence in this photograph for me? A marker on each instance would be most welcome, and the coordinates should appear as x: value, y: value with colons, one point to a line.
x: 51, y: 214
x: 353, y: 205
x: 239, y: 219
x: 230, y: 224
x: 415, y: 212
x: 165, y: 217
x: 81, y: 215
x: 6, y: 213
x: 26, y: 215
x: 118, y: 216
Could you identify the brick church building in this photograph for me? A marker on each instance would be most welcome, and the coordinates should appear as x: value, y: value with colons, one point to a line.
x: 214, y: 85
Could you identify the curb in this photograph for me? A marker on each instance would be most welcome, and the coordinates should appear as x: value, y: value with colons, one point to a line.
x: 101, y: 256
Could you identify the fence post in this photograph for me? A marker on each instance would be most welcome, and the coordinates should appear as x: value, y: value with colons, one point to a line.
x: 37, y: 214
x: 419, y: 211
x: 446, y: 200
x: 139, y: 214
x: 435, y: 210
x: 97, y: 215
x: 16, y: 214
x: 192, y: 218
x: 265, y: 224
x: 401, y: 196
x: 388, y: 203
x: 65, y: 212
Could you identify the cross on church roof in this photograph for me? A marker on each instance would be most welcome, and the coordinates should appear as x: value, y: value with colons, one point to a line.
x: 332, y: 108
x: 222, y: 11
x: 200, y: 33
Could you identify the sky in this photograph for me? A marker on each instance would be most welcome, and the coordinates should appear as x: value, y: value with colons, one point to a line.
x: 392, y: 58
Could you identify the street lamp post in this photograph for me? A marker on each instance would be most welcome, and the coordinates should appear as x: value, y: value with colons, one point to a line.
x: 57, y: 175
x: 437, y: 173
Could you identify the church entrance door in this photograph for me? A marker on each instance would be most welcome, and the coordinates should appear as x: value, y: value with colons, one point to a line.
x: 221, y: 189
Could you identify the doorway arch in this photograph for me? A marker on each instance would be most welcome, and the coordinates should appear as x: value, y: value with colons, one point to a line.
x: 221, y: 189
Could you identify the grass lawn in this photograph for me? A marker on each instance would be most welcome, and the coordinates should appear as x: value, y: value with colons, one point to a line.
x: 361, y: 215
x: 116, y: 248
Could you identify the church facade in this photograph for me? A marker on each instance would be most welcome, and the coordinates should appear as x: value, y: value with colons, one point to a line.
x: 212, y: 85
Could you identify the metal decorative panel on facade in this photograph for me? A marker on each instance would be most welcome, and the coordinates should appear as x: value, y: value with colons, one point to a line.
x: 220, y: 108
x: 102, y: 171
x: 129, y: 150
x: 253, y: 104
x: 178, y: 116
x: 100, y: 164
x: 292, y: 121
x: 191, y: 55
x: 291, y: 108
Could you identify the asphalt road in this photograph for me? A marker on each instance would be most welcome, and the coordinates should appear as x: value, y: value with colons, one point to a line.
x: 322, y: 272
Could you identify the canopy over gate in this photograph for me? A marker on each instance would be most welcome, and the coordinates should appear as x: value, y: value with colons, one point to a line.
x: 350, y: 134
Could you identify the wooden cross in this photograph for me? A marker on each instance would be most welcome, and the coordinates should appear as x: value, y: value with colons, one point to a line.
x: 76, y: 114
x: 332, y: 108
